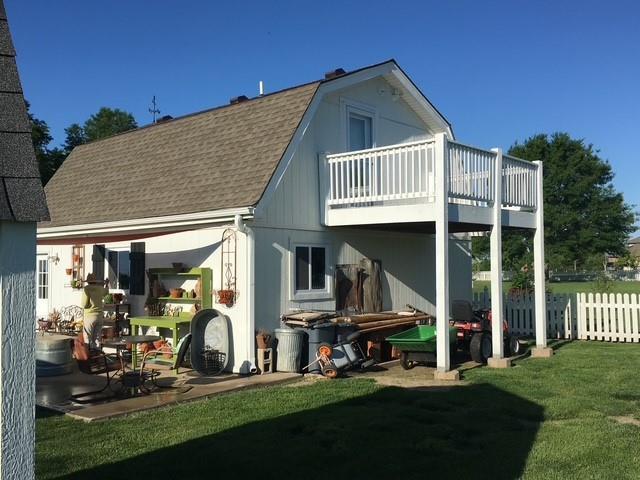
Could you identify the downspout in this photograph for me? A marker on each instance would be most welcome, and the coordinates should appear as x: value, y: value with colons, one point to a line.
x: 250, y: 289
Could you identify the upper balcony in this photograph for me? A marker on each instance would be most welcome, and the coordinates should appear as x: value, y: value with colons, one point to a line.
x: 400, y: 184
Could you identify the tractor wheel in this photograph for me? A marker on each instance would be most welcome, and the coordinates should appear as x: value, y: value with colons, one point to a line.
x: 405, y: 362
x: 480, y: 347
x: 514, y: 347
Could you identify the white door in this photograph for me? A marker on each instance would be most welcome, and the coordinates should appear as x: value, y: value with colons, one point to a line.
x: 42, y: 286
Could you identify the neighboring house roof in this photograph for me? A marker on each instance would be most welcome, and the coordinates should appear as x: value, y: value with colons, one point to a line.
x: 217, y: 159
x: 21, y: 195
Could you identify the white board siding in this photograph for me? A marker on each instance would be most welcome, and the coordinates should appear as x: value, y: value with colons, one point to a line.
x: 196, y: 248
x: 17, y: 375
x: 407, y: 262
x: 296, y: 202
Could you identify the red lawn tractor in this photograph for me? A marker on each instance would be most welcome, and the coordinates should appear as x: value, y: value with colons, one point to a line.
x: 473, y: 331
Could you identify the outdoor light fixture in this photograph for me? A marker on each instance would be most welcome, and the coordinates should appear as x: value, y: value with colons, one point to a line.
x: 54, y: 259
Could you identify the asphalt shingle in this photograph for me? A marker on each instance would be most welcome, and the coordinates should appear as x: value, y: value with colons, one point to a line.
x: 220, y: 158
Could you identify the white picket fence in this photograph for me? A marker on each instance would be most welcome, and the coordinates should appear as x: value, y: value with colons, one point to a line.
x: 585, y: 316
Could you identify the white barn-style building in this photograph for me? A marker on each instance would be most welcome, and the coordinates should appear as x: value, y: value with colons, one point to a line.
x: 356, y: 165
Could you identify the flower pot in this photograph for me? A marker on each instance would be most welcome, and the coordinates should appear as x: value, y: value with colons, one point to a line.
x: 76, y: 259
x: 226, y: 297
x: 117, y: 297
x: 68, y: 271
x: 176, y: 292
x: 263, y: 340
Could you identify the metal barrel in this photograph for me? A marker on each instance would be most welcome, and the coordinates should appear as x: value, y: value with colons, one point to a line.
x: 289, y: 349
x: 53, y: 355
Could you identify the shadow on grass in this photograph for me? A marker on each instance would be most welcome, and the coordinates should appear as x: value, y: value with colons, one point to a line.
x: 42, y: 412
x: 474, y: 431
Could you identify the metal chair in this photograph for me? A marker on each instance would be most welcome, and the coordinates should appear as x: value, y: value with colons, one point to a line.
x: 70, y: 315
x: 94, y: 362
x: 154, y: 362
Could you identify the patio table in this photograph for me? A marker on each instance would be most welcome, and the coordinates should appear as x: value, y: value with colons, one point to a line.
x: 172, y: 323
x: 120, y: 344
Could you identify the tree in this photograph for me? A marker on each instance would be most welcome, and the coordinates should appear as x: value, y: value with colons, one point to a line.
x: 105, y: 123
x: 585, y: 218
x: 74, y: 136
x: 49, y: 160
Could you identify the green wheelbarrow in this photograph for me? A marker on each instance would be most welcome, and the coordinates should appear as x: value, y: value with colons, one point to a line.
x: 418, y: 345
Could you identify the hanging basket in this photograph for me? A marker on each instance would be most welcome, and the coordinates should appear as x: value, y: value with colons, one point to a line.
x: 226, y: 297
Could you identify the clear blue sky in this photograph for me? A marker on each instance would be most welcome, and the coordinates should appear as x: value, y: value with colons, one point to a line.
x: 499, y: 71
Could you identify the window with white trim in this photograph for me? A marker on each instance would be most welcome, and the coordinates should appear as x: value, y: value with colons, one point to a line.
x: 311, y: 276
x: 43, y: 279
x: 118, y: 268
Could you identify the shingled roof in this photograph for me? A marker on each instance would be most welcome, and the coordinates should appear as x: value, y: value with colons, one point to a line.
x: 21, y: 194
x: 216, y: 159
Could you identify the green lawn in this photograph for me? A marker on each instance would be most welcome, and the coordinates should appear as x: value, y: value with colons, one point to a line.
x: 571, y: 287
x: 538, y: 420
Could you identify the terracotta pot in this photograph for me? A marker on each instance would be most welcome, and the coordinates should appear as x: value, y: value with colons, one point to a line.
x: 68, y: 271
x: 117, y: 297
x: 176, y: 292
x: 76, y: 259
x: 226, y: 297
x: 263, y: 340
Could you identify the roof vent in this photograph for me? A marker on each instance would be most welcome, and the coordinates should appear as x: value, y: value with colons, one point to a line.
x: 164, y: 118
x: 338, y: 72
x: 238, y: 99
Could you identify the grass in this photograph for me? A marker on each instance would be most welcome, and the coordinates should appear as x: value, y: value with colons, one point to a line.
x: 571, y: 287
x: 538, y: 420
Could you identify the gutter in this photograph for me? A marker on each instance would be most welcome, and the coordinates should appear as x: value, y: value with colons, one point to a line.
x: 147, y: 224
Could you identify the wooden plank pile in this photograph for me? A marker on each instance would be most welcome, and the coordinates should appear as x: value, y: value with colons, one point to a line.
x: 371, y: 322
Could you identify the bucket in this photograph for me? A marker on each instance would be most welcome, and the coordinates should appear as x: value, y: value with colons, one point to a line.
x: 289, y: 349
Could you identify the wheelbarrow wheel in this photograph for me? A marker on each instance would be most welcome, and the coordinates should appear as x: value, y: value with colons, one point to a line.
x: 405, y: 362
x: 329, y: 371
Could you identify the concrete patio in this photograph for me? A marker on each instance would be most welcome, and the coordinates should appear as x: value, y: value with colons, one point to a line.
x: 54, y: 392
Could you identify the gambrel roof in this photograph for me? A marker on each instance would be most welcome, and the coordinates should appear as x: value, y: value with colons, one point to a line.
x: 21, y: 195
x: 217, y: 159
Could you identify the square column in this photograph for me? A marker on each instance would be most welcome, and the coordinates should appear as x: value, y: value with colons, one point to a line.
x: 442, y: 253
x: 541, y: 349
x: 497, y: 308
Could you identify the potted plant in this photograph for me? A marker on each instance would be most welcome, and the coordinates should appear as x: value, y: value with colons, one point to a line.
x: 263, y: 339
x: 68, y: 271
x: 226, y: 297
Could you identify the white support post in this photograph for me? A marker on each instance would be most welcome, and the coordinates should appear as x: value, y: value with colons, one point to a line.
x: 442, y: 253
x: 497, y: 309
x: 541, y: 349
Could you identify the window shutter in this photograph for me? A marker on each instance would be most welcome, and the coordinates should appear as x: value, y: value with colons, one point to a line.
x: 137, y: 268
x: 97, y: 259
x: 112, y: 260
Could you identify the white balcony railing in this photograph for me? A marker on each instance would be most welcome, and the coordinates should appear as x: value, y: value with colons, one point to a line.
x: 397, y: 172
x: 406, y: 173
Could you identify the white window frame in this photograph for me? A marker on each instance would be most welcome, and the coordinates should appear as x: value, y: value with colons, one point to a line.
x: 42, y: 275
x: 312, y: 294
x: 349, y: 106
x: 122, y: 248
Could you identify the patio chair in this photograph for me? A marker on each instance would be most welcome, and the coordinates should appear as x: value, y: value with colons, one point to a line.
x: 69, y: 317
x: 94, y: 362
x: 153, y: 361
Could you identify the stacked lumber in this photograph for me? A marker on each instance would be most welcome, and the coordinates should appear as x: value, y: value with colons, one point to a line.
x: 369, y: 322
x: 307, y: 319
